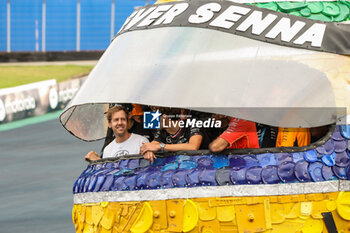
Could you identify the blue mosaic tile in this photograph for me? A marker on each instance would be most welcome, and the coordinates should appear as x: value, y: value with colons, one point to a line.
x: 269, y: 175
x: 327, y: 162
x: 302, y: 171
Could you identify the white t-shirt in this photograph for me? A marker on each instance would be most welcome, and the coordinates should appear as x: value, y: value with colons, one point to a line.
x: 130, y: 146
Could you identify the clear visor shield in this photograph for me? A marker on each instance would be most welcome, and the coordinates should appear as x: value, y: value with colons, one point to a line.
x: 212, y: 71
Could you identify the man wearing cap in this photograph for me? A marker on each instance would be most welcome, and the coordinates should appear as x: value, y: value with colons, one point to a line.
x: 124, y: 143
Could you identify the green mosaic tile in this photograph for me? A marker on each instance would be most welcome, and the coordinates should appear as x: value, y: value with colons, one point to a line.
x: 321, y: 17
x: 331, y: 9
x: 325, y: 11
x: 296, y: 13
x: 346, y: 3
x: 344, y: 13
x: 306, y: 12
x: 315, y: 7
x: 290, y: 6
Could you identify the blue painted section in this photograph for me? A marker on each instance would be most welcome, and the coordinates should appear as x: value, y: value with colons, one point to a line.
x: 61, y: 23
x: 25, y: 20
x: 95, y: 24
x: 3, y: 22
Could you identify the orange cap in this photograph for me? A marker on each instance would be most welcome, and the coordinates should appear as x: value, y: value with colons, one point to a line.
x: 137, y: 111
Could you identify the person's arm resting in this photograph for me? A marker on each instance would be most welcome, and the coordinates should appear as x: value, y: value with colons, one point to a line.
x: 193, y: 144
x: 147, y: 150
x: 92, y: 156
x: 218, y: 145
x: 151, y: 146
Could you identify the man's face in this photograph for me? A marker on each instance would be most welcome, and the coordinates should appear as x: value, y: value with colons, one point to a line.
x: 224, y: 119
x: 119, y: 123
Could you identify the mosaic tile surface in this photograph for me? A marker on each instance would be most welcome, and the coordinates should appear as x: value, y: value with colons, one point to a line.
x: 325, y: 11
x: 330, y: 161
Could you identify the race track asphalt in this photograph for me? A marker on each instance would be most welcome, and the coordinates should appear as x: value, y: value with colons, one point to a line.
x: 39, y: 164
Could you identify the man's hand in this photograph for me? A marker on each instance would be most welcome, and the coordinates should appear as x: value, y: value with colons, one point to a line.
x: 91, y: 156
x: 149, y: 147
x: 218, y: 145
x: 149, y: 155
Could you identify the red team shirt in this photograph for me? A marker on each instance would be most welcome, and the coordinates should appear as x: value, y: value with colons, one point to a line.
x: 241, y: 134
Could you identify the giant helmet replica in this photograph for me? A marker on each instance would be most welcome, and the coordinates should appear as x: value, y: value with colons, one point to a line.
x: 277, y: 63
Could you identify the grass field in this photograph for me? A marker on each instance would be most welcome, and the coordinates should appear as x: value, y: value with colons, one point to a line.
x: 11, y: 76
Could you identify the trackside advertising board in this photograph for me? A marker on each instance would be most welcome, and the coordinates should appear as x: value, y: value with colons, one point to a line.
x: 36, y: 98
